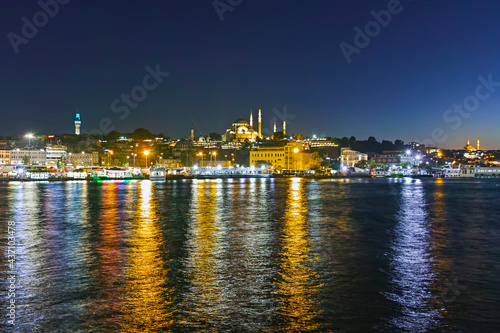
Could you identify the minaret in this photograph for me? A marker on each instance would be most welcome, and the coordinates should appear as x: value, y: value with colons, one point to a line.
x: 260, y: 123
x: 478, y: 143
x: 78, y: 122
x: 251, y: 119
x: 468, y: 141
x: 192, y: 133
x: 274, y: 130
x: 284, y: 127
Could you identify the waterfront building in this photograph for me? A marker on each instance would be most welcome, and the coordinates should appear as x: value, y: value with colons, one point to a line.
x: 291, y: 156
x: 35, y: 156
x: 83, y: 159
x: 395, y: 158
x: 54, y: 154
x: 169, y: 163
x: 5, y: 156
x: 349, y: 157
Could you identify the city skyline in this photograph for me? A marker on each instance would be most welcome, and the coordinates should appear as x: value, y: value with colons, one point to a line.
x: 195, y: 63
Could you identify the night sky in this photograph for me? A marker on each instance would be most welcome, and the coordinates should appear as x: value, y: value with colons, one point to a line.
x: 274, y: 54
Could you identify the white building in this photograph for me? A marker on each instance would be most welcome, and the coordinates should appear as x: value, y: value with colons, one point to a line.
x: 55, y: 154
x: 36, y: 156
x: 349, y: 157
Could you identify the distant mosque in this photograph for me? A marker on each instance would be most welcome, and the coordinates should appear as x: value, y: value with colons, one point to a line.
x: 468, y: 147
x: 242, y: 130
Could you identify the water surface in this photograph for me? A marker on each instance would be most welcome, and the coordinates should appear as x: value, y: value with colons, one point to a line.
x: 253, y: 255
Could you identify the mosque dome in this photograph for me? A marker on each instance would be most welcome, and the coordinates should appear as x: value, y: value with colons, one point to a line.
x: 184, y: 144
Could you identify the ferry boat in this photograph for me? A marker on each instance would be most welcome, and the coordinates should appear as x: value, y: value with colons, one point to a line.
x: 380, y: 173
x: 158, y: 173
x: 115, y: 174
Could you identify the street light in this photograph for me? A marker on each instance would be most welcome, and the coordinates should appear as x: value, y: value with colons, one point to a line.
x: 215, y: 156
x: 295, y: 151
x: 110, y: 152
x: 146, y: 153
x: 201, y: 154
x: 29, y: 136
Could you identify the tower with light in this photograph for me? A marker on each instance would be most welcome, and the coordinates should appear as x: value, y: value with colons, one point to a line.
x: 78, y: 123
x: 260, y: 123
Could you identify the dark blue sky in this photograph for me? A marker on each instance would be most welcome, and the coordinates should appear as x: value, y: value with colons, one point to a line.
x: 272, y: 54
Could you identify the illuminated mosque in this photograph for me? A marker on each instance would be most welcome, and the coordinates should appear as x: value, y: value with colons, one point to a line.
x: 468, y: 147
x: 242, y: 130
x: 470, y: 151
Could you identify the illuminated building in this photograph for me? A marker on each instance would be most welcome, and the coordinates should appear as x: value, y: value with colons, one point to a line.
x: 395, y: 157
x: 36, y: 156
x: 78, y: 123
x: 470, y: 151
x: 5, y: 156
x: 468, y: 147
x: 84, y: 159
x: 242, y: 130
x: 289, y: 157
x: 54, y: 154
x: 349, y: 157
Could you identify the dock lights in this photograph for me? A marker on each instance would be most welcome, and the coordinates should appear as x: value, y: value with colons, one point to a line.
x: 296, y: 150
x: 146, y: 153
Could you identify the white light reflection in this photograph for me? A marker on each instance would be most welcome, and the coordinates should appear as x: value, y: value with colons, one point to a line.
x: 412, y: 276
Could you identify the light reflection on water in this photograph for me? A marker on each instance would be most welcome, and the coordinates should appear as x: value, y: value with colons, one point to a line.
x: 205, y: 305
x: 297, y: 280
x: 412, y: 274
x: 147, y: 303
x: 254, y: 255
